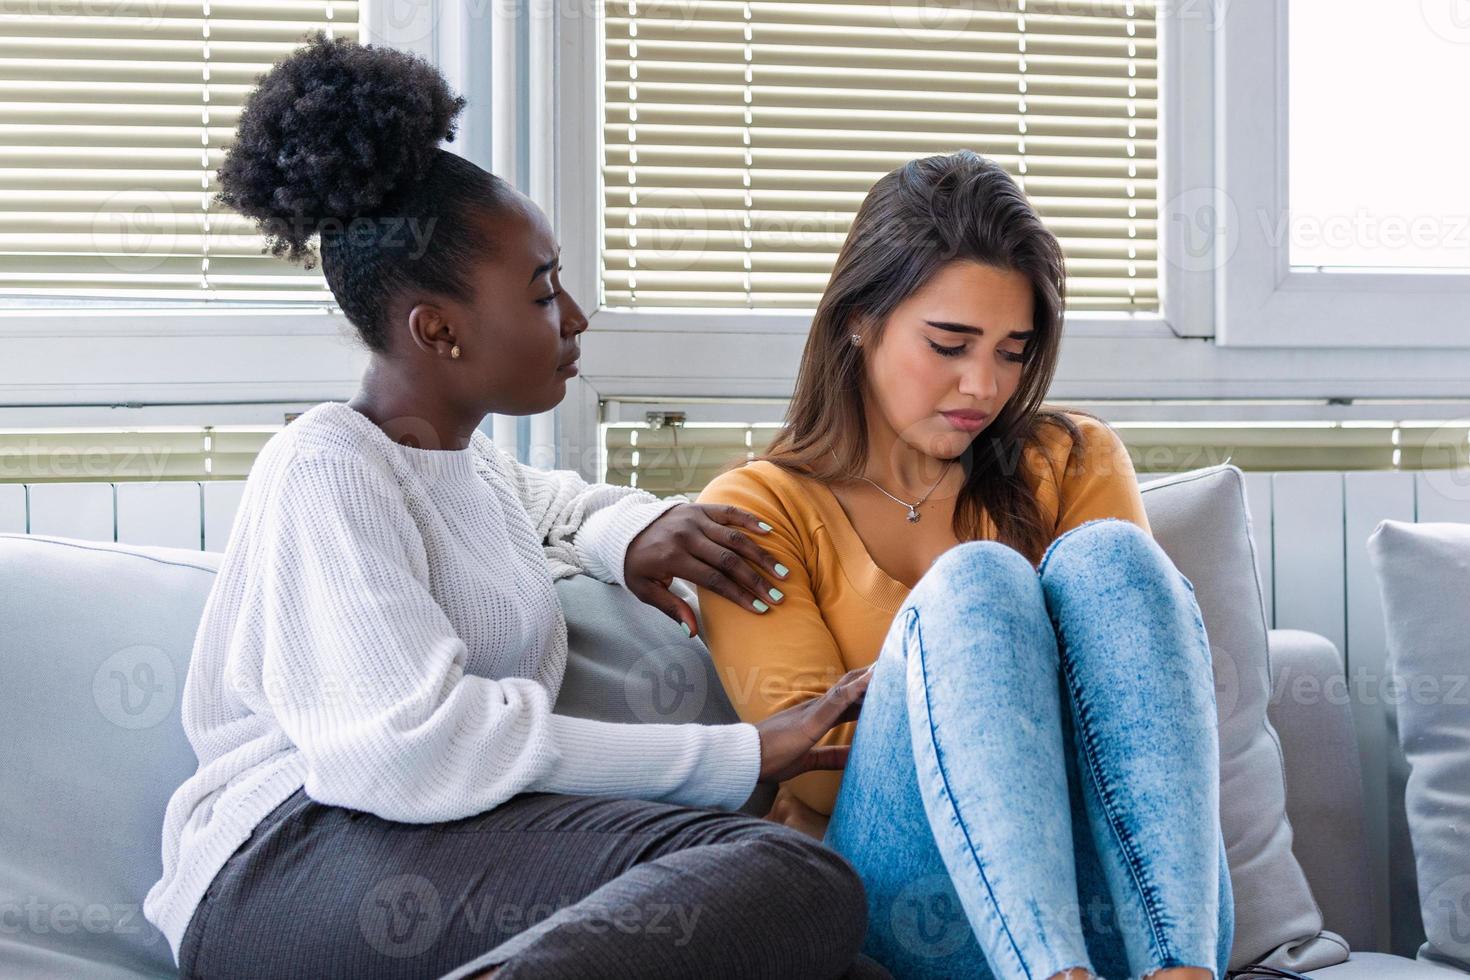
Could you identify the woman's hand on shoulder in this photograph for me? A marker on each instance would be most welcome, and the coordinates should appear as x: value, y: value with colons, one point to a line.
x: 706, y: 544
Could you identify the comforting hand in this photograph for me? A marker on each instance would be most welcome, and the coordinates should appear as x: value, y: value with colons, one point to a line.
x: 789, y: 738
x: 704, y: 544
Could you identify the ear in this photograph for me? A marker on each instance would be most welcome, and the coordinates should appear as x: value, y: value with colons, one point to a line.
x: 430, y: 330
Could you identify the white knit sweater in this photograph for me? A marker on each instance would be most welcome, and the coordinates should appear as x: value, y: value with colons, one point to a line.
x: 384, y: 632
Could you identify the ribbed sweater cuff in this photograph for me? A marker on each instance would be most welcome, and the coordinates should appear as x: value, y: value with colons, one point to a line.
x: 602, y: 540
x: 694, y: 765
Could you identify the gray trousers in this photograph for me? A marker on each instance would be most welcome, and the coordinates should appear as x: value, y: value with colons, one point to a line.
x: 545, y: 885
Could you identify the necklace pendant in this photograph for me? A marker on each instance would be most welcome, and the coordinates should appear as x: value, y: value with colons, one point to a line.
x: 913, y: 516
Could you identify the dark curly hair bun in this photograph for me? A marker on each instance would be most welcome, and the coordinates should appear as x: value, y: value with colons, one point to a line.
x: 335, y: 131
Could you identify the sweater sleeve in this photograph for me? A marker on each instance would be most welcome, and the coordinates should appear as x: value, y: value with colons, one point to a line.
x: 366, y: 676
x: 775, y: 661
x: 1102, y: 484
x: 584, y: 526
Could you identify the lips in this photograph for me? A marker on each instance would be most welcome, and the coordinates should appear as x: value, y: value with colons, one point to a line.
x: 967, y: 421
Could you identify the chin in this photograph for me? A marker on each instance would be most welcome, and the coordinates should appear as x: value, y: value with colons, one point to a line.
x: 952, y: 444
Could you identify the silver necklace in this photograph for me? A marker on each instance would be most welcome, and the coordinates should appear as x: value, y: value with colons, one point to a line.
x: 913, y: 515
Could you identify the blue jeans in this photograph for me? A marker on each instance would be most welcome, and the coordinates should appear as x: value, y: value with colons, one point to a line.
x: 1034, y: 778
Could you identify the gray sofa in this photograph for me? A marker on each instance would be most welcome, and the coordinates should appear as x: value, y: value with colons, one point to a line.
x: 95, y: 640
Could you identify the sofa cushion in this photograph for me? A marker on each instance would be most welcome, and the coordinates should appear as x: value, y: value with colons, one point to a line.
x: 96, y: 646
x: 1385, y: 966
x: 1423, y: 573
x: 1201, y: 520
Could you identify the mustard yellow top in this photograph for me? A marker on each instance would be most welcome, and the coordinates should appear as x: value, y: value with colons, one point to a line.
x: 838, y: 603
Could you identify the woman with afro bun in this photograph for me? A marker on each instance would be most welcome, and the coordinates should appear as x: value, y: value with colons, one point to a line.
x: 384, y: 789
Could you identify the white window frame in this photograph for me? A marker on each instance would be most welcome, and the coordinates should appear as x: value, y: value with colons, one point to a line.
x: 1179, y: 354
x: 1264, y: 302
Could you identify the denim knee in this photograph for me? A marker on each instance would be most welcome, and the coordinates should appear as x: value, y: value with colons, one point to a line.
x: 1102, y: 543
x: 974, y: 588
x: 968, y: 563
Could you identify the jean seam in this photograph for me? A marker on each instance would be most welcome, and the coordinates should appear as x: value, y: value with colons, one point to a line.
x: 1105, y: 795
x: 949, y: 793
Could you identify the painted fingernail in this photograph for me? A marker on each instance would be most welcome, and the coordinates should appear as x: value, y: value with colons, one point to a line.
x: 782, y: 570
x: 686, y: 629
x: 763, y: 525
x: 775, y: 595
x: 761, y: 606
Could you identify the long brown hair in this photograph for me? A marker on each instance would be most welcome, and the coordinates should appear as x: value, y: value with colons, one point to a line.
x: 925, y: 214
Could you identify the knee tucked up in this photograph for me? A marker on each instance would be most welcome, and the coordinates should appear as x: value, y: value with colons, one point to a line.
x: 971, y: 563
x: 1102, y: 543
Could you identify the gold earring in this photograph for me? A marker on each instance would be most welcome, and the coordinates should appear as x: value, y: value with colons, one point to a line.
x: 454, y: 352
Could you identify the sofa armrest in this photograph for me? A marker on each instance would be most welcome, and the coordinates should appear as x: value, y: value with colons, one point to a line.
x: 1312, y: 713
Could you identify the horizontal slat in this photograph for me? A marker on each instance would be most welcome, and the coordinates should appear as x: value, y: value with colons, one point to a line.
x: 153, y: 48
x: 654, y: 119
x: 682, y: 207
x: 869, y: 94
x: 98, y: 69
x: 42, y: 30
x: 819, y: 264
x: 165, y: 10
x: 920, y: 78
x: 998, y: 36
x: 971, y: 14
x: 806, y: 301
x: 868, y: 161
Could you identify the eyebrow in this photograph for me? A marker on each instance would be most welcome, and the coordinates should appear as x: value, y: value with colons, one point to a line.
x: 966, y: 328
x: 544, y: 268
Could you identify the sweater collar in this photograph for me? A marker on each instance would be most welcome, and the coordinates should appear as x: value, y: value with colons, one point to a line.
x: 444, y: 464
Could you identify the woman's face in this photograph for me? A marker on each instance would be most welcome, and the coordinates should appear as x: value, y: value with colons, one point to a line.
x: 518, y: 339
x: 954, y: 346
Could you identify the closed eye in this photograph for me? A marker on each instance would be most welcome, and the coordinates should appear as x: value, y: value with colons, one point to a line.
x: 943, y: 351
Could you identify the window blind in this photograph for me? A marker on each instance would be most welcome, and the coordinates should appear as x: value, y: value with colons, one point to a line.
x: 683, y: 459
x: 145, y: 454
x: 740, y: 137
x: 113, y: 120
